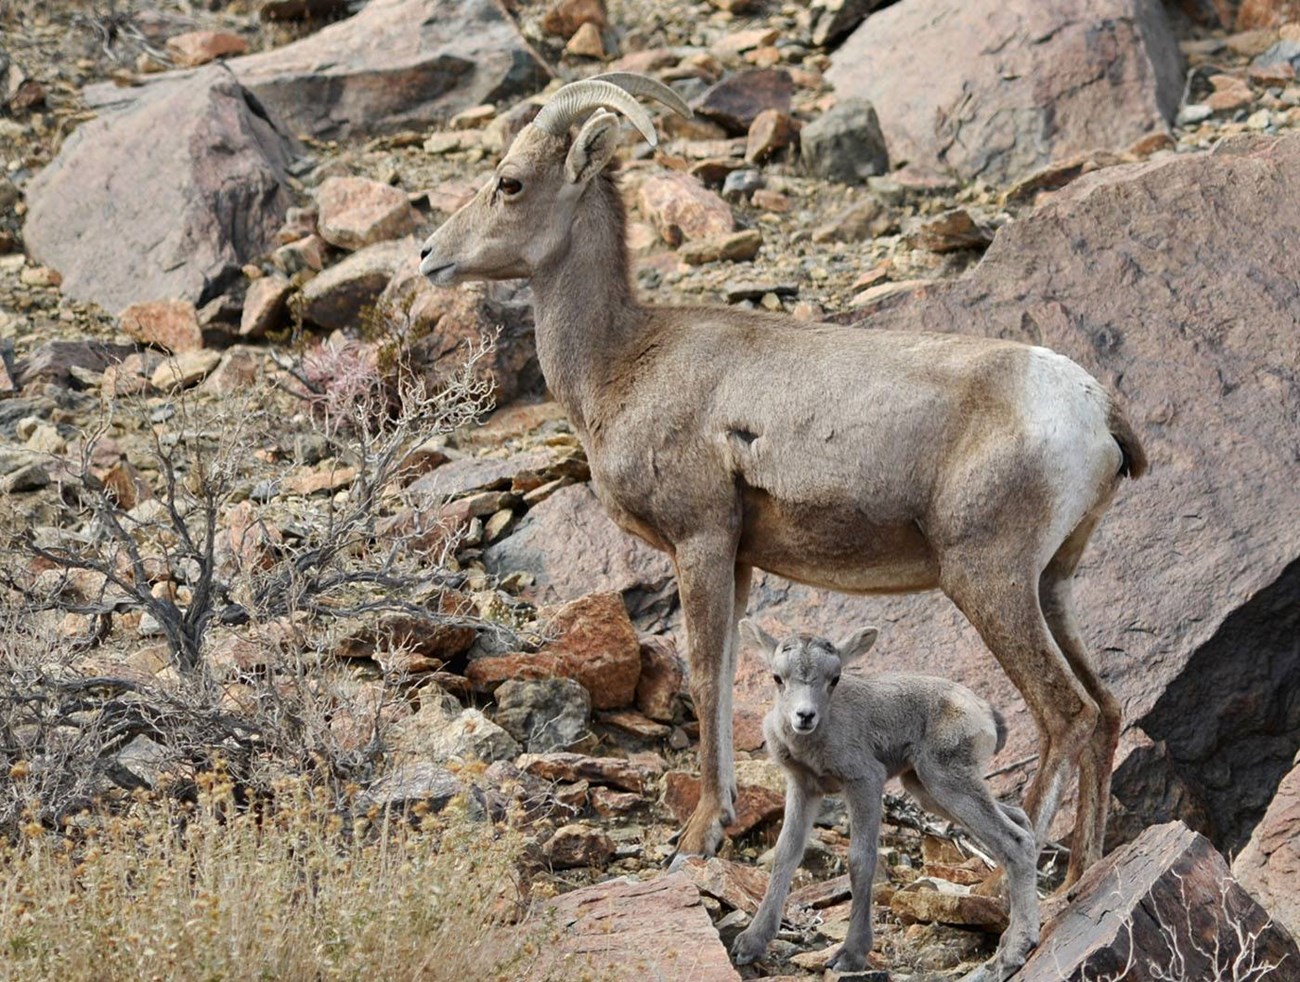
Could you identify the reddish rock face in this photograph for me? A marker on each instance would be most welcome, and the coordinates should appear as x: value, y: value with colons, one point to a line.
x: 338, y: 297
x: 1266, y: 13
x: 172, y: 325
x: 200, y: 47
x: 628, y: 929
x: 576, y: 846
x: 1011, y: 86
x: 755, y: 804
x: 356, y: 212
x: 264, y: 306
x: 1269, y: 866
x: 739, y: 887
x: 176, y: 222
x: 1167, y: 890
x: 662, y: 684
x: 736, y: 101
x: 682, y: 208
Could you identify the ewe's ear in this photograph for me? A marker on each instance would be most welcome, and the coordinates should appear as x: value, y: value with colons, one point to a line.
x: 755, y: 636
x: 857, y: 644
x: 592, y: 148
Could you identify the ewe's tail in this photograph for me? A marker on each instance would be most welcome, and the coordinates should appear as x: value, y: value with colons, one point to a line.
x: 1134, y: 463
x: 1000, y: 725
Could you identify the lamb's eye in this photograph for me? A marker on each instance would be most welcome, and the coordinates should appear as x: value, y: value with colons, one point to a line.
x: 509, y: 186
x: 835, y: 681
x: 777, y: 680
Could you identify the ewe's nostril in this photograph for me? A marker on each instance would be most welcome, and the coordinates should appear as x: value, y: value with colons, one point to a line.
x: 424, y: 253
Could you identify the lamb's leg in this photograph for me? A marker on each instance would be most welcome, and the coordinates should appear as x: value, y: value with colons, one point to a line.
x: 706, y: 584
x: 801, y: 803
x: 961, y: 791
x: 864, y: 802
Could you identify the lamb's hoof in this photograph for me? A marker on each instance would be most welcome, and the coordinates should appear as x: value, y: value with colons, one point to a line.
x: 845, y: 962
x: 1009, y: 959
x: 747, y: 948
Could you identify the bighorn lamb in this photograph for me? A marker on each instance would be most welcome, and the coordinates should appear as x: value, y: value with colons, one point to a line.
x: 855, y: 459
x: 849, y: 733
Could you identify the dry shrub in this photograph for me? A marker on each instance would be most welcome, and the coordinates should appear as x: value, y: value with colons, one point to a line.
x: 210, y: 890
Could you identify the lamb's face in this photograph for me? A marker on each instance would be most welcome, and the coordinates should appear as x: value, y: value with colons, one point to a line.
x: 806, y: 671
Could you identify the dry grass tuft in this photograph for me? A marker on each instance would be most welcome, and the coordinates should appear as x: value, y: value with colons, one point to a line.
x: 208, y: 890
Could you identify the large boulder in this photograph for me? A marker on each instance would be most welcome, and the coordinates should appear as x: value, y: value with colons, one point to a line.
x: 166, y: 194
x: 993, y: 89
x: 1269, y: 866
x: 572, y: 548
x: 395, y: 63
x: 1165, y: 906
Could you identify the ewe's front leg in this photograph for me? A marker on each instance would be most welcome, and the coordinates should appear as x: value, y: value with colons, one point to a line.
x: 801, y: 804
x: 706, y: 582
x: 864, y: 802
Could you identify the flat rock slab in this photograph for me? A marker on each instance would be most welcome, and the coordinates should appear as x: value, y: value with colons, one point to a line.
x: 993, y: 89
x: 166, y: 194
x: 1163, y: 906
x: 639, y: 930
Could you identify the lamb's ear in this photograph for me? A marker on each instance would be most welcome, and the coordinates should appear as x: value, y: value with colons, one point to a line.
x: 592, y: 147
x: 754, y: 635
x: 857, y: 644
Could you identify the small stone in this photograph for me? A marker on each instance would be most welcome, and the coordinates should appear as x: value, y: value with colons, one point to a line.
x: 661, y: 689
x: 1194, y: 112
x: 473, y: 118
x: 290, y: 10
x: 736, y: 101
x: 771, y: 130
x: 544, y: 715
x: 1230, y: 93
x: 739, y: 290
x: 920, y: 904
x: 736, y: 247
x: 949, y: 232
x: 632, y: 722
x: 845, y: 144
x: 337, y: 297
x: 185, y: 369
x: 327, y: 479
x: 742, y: 41
x: 356, y: 212
x: 565, y: 18
x: 577, y: 846
x: 496, y: 526
x: 307, y: 253
x: 1259, y: 120
x: 264, y: 306
x: 682, y: 208
x: 586, y: 42
x: 740, y: 184
x: 739, y: 887
x: 612, y: 771
x: 770, y: 200
x: 40, y: 276
x: 200, y: 47
x: 865, y: 219
x: 441, y: 730
x: 298, y: 223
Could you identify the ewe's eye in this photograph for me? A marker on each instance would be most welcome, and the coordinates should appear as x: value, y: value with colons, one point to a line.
x: 835, y: 681
x: 509, y: 186
x: 777, y: 680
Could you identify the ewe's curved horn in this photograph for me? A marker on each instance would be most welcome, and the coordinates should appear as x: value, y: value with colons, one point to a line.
x: 578, y: 98
x: 647, y: 86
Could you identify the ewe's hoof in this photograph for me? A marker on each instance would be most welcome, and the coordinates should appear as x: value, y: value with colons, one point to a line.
x: 701, y: 836
x: 847, y: 961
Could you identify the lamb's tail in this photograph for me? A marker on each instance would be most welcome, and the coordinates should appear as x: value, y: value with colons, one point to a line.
x: 1000, y: 725
x: 1134, y: 463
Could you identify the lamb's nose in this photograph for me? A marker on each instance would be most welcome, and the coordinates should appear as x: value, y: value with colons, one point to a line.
x: 806, y: 717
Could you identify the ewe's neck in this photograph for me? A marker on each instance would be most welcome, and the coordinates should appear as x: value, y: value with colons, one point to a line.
x: 584, y: 304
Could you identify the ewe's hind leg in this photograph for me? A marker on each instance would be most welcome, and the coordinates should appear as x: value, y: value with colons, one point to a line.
x: 963, y: 794
x: 999, y: 595
x: 1098, y: 757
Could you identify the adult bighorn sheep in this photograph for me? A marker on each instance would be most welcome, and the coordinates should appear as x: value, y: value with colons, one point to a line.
x: 861, y: 460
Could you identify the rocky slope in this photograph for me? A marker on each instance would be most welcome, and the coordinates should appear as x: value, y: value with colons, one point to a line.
x: 207, y: 209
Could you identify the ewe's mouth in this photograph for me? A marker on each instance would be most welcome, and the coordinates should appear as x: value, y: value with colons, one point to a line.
x: 441, y: 272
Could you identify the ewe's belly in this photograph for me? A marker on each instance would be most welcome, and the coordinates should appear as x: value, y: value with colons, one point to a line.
x: 836, y: 547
